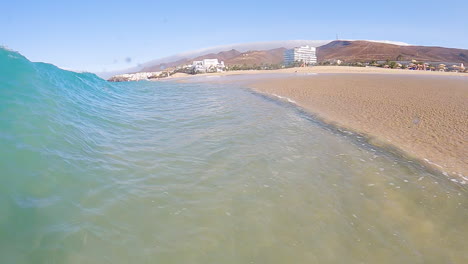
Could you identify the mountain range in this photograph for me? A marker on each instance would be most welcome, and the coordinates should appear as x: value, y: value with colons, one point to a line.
x: 272, y: 53
x: 362, y: 51
x: 230, y: 58
x: 345, y: 50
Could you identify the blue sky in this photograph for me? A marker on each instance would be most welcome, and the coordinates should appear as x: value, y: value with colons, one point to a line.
x: 109, y: 35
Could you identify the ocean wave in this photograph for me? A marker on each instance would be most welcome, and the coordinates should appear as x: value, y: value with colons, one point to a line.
x: 96, y: 172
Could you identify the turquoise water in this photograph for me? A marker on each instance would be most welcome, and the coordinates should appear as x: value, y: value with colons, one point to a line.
x: 161, y: 172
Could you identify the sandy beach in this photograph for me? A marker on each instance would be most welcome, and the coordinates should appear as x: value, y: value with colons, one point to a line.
x: 425, y: 117
x: 421, y: 114
x: 325, y: 69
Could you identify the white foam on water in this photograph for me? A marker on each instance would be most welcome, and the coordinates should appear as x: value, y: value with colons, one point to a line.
x: 285, y: 98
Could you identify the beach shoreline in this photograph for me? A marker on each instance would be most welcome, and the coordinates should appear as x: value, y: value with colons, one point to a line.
x: 321, y: 69
x: 421, y: 117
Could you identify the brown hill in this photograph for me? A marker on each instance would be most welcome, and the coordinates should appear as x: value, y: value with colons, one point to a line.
x: 257, y: 57
x: 354, y: 51
x: 221, y: 56
x: 348, y: 51
x: 231, y: 57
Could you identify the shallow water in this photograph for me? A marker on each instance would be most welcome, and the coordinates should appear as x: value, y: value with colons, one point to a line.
x: 94, y: 172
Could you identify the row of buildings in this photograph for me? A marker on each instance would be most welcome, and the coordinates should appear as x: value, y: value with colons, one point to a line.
x: 299, y: 56
x: 201, y: 66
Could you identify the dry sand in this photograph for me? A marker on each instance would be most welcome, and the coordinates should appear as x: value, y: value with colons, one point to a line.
x: 184, y: 77
x: 425, y: 117
x: 324, y: 69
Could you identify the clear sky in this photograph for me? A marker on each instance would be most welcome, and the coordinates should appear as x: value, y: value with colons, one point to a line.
x: 104, y: 35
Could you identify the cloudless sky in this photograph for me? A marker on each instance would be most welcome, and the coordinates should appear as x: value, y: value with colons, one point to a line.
x: 96, y: 35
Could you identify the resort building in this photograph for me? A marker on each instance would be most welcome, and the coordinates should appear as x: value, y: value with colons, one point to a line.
x: 208, y: 65
x: 304, y: 54
x: 138, y: 76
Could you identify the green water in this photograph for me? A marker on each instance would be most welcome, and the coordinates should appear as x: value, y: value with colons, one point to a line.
x: 93, y: 172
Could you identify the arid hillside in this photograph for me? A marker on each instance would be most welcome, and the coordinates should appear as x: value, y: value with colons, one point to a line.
x: 354, y: 51
x: 348, y: 51
x: 230, y: 58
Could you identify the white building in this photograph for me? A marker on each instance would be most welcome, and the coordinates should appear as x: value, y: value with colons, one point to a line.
x: 197, y: 63
x: 208, y: 65
x: 138, y: 76
x: 304, y: 54
x: 212, y: 63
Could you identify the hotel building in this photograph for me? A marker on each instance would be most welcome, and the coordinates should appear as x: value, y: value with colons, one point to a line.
x: 303, y: 54
x: 207, y: 65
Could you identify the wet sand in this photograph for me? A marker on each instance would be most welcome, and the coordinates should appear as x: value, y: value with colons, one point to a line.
x: 424, y: 117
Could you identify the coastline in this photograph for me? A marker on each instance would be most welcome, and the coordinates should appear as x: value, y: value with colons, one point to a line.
x: 320, y: 69
x: 422, y: 117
